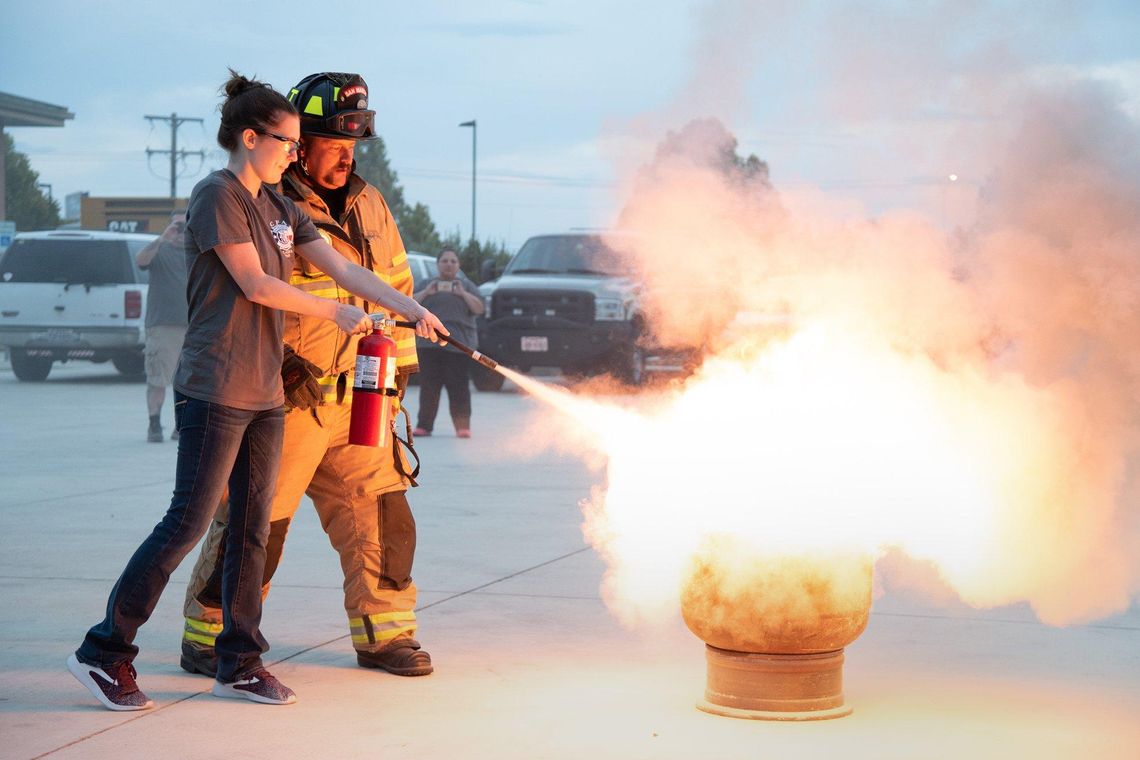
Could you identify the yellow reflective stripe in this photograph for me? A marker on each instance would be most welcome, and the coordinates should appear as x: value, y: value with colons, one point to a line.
x: 300, y: 278
x: 201, y: 632
x: 399, y: 258
x: 193, y: 624
x: 382, y: 618
x: 384, y: 625
x: 316, y: 286
x: 200, y: 638
x: 314, y: 106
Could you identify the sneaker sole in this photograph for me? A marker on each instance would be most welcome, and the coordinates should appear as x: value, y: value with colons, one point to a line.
x: 229, y: 692
x: 420, y: 670
x: 82, y: 674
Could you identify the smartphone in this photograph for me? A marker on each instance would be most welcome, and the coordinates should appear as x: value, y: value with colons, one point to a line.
x: 445, y: 286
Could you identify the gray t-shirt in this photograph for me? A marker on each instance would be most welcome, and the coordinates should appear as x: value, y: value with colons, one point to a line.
x: 233, y: 349
x: 454, y: 313
x: 166, y: 293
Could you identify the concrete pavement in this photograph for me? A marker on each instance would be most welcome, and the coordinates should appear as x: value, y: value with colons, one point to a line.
x: 530, y: 664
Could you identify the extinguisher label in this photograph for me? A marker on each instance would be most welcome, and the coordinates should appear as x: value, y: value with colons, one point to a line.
x: 368, y: 372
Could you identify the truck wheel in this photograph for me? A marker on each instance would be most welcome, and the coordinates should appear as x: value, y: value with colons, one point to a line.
x: 630, y: 367
x: 486, y: 379
x: 30, y: 369
x: 130, y: 365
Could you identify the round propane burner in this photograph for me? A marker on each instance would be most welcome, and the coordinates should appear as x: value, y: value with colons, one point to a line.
x: 775, y: 628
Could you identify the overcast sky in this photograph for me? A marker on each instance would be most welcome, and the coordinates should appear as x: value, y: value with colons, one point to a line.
x: 854, y: 98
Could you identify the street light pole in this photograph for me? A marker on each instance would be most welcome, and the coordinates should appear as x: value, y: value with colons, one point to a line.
x: 474, y: 133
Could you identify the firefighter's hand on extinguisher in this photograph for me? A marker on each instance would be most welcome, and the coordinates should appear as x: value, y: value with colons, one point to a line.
x: 429, y: 326
x: 352, y: 319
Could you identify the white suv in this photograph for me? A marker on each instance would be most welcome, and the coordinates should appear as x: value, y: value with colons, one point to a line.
x: 423, y: 267
x: 73, y: 294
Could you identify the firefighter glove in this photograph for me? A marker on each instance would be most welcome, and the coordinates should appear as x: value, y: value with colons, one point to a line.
x: 299, y: 376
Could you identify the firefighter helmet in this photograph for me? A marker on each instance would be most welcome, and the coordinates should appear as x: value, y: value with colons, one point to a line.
x: 334, y: 105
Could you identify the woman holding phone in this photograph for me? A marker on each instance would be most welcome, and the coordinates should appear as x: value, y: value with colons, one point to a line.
x: 457, y: 301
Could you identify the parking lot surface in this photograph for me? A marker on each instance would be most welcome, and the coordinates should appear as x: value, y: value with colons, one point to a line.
x: 529, y: 661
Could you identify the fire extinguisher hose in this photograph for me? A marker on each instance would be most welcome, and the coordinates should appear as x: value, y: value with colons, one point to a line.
x: 486, y: 361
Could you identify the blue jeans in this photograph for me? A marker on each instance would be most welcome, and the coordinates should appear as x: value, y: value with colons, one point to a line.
x: 216, y: 444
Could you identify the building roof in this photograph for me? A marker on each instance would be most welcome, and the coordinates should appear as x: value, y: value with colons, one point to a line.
x: 16, y: 111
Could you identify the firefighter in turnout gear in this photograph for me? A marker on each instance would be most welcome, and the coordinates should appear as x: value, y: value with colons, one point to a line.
x: 359, y: 491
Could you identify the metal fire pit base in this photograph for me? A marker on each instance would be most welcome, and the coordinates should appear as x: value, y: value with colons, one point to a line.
x: 774, y: 686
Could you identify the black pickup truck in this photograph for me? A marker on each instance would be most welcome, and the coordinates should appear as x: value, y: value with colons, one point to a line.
x: 568, y: 302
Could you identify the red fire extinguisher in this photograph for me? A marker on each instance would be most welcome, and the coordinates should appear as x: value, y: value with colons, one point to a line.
x: 372, y: 389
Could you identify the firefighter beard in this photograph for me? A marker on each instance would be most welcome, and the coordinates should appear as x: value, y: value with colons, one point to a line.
x: 360, y: 499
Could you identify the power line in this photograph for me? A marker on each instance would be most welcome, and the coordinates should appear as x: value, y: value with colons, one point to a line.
x: 175, y: 121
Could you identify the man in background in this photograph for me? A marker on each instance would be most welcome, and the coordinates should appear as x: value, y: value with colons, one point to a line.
x: 164, y: 259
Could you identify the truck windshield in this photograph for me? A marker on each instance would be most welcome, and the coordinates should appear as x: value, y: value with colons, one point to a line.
x: 93, y: 262
x: 569, y: 254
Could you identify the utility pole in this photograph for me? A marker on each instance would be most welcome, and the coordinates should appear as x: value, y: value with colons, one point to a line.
x: 175, y: 121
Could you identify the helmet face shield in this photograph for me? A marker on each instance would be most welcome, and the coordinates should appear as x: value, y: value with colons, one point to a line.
x: 357, y: 124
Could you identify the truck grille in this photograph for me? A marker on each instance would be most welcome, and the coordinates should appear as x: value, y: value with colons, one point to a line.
x: 572, y: 305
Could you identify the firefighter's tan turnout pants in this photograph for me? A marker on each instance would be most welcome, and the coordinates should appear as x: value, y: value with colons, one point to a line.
x: 360, y: 499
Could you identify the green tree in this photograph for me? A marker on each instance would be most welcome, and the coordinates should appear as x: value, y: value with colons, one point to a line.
x: 372, y: 164
x: 416, y: 225
x: 707, y: 142
x: 479, y: 261
x: 26, y: 205
x: 418, y: 230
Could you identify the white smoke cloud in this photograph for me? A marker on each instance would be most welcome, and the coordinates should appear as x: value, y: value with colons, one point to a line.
x: 1021, y: 326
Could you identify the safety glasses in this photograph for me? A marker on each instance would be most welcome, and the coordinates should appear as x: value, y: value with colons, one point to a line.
x: 294, y: 146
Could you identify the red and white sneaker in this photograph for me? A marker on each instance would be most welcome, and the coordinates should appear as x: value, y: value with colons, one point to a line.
x: 258, y: 686
x: 113, y: 685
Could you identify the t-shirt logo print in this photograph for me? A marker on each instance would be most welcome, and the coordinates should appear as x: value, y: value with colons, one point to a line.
x: 283, y: 236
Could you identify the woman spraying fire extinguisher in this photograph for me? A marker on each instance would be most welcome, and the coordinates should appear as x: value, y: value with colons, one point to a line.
x: 242, y: 236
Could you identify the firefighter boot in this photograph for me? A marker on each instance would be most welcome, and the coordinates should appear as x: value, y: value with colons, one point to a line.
x: 199, y: 658
x: 402, y: 657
